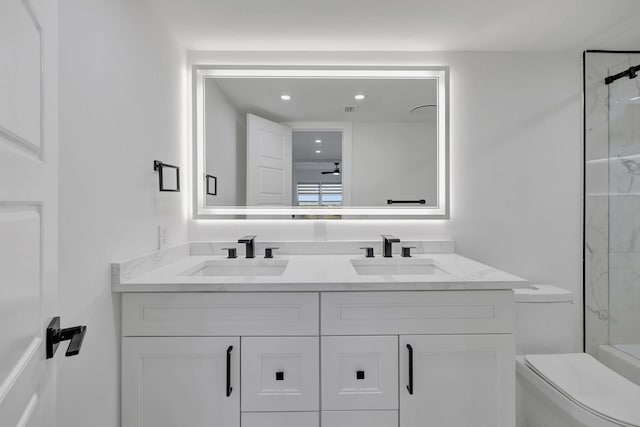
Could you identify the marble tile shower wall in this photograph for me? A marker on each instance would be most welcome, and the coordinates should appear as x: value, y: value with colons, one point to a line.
x: 624, y: 206
x: 612, y: 205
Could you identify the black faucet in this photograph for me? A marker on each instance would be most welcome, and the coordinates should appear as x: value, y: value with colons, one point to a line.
x: 249, y: 241
x: 387, y: 240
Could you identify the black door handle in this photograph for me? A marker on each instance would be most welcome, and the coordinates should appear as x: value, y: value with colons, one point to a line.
x: 229, y: 388
x: 55, y: 335
x: 410, y: 386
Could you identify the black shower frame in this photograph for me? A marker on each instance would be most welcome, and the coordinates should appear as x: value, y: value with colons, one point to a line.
x: 584, y: 179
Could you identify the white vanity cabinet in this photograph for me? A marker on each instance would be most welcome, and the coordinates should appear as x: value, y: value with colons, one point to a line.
x: 183, y: 354
x: 318, y: 359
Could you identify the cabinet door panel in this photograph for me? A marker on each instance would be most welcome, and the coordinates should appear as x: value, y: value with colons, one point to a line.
x: 360, y: 373
x: 180, y: 381
x: 458, y: 381
x: 280, y: 374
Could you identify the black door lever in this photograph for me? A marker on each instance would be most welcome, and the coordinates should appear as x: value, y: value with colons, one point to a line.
x: 55, y: 336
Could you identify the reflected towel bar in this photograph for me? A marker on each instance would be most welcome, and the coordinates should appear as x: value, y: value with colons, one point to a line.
x: 396, y: 202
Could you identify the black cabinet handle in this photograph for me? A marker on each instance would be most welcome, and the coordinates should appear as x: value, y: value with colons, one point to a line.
x: 279, y: 376
x: 410, y: 386
x: 359, y: 375
x: 229, y: 388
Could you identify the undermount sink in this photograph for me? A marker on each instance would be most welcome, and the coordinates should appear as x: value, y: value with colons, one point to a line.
x: 395, y: 267
x: 238, y: 267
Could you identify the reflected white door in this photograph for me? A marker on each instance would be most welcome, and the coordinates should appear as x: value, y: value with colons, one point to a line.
x: 269, y: 163
x: 28, y: 210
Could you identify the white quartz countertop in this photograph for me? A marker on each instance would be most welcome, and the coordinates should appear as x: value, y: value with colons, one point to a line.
x: 308, y: 273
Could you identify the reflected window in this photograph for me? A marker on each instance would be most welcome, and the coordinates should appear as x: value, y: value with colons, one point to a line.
x: 319, y: 194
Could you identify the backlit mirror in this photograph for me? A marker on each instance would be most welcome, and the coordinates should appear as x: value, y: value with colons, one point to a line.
x: 320, y: 143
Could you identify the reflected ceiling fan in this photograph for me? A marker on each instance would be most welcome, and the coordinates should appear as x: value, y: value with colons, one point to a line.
x: 335, y: 171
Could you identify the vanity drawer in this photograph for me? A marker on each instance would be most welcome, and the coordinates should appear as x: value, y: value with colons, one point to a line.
x: 219, y: 314
x: 417, y: 312
x: 281, y: 419
x: 360, y: 419
x: 280, y: 374
x: 359, y: 373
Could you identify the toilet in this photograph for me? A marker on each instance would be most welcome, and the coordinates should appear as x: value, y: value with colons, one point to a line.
x: 558, y: 388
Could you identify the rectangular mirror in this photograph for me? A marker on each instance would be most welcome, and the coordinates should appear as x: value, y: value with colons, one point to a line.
x: 321, y: 143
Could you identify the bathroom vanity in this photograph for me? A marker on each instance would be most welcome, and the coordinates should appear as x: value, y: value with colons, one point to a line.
x: 327, y: 339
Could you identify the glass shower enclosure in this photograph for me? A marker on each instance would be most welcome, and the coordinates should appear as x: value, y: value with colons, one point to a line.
x: 612, y: 209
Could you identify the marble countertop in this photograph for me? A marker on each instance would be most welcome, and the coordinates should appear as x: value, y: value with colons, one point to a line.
x: 306, y: 273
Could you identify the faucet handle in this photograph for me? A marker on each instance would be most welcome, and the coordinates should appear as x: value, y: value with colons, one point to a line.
x: 231, y: 252
x: 368, y: 252
x: 406, y: 251
x: 268, y: 252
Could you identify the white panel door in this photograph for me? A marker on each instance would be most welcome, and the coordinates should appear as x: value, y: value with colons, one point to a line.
x: 28, y: 210
x: 457, y: 380
x: 180, y: 381
x: 269, y: 163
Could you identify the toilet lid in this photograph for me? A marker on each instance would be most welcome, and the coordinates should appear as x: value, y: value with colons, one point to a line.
x: 591, y: 385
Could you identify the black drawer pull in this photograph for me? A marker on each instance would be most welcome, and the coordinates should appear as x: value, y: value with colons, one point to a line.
x: 410, y: 386
x: 229, y: 388
x: 359, y: 375
x: 279, y: 376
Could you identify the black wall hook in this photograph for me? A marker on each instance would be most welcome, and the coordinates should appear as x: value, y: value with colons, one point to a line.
x: 55, y: 336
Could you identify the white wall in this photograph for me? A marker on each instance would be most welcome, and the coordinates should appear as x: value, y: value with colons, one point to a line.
x: 122, y: 98
x: 394, y: 161
x: 516, y: 163
x: 225, y: 148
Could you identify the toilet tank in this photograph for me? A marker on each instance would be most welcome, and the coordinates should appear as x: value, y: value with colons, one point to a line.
x: 544, y: 320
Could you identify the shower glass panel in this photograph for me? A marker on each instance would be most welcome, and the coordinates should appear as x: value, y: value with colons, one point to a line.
x: 624, y: 208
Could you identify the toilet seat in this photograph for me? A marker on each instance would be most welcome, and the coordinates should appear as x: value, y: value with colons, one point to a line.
x: 590, y: 385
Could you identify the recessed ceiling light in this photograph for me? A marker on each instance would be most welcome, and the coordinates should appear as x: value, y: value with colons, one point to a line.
x: 359, y: 97
x: 318, y: 141
x: 318, y: 151
x: 285, y: 97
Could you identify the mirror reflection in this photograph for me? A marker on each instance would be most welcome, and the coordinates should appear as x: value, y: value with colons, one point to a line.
x: 321, y: 142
